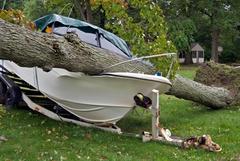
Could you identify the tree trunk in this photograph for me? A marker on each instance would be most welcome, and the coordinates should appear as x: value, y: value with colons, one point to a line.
x: 215, y: 44
x: 88, y: 11
x: 210, y: 96
x: 83, y: 10
x: 102, y: 16
x: 188, y: 58
x: 29, y: 49
x: 220, y: 75
x: 78, y: 10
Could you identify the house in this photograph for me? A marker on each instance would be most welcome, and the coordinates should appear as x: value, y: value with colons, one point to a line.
x: 197, y: 53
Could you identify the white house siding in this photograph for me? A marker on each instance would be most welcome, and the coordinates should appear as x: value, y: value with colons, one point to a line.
x: 181, y: 60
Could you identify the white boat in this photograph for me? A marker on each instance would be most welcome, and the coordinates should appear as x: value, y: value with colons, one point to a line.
x: 103, y: 98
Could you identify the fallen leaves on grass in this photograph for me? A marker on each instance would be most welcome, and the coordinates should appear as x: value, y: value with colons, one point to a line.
x: 63, y: 158
x: 3, y: 138
x: 103, y: 158
x: 88, y: 136
x: 65, y: 137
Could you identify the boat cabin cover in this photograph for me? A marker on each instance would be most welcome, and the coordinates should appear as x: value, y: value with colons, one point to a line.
x: 88, y: 33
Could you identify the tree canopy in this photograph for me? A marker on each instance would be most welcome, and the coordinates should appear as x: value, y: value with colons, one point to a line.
x: 215, y: 22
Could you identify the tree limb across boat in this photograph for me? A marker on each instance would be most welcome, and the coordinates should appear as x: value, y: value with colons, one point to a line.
x: 28, y: 48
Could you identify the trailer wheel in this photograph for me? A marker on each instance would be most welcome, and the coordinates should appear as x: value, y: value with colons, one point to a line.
x: 3, y: 90
x: 13, y: 96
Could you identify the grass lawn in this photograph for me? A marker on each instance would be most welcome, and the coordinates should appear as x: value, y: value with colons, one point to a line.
x: 188, y: 71
x: 36, y: 137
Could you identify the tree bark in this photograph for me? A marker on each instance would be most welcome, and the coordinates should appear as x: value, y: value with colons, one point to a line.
x: 188, y: 58
x: 221, y: 75
x: 215, y: 44
x: 88, y: 11
x: 102, y: 16
x: 83, y: 10
x: 78, y: 10
x: 213, y: 97
x: 28, y: 48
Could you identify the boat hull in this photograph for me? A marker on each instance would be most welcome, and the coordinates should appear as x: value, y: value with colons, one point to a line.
x: 97, y: 99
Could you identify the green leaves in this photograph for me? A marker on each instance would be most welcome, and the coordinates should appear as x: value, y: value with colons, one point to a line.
x: 16, y: 17
x: 195, y: 21
x: 142, y: 25
x: 35, y: 8
x: 182, y: 33
x: 146, y: 34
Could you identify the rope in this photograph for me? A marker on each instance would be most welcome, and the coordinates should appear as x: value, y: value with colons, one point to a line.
x: 140, y: 58
x: 170, y: 68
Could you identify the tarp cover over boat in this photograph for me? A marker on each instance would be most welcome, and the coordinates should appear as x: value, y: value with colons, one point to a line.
x: 105, y: 38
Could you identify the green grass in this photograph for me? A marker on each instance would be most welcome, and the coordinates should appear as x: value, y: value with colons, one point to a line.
x: 36, y: 137
x: 188, y: 71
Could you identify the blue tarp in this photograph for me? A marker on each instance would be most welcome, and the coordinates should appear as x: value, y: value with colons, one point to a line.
x: 45, y: 21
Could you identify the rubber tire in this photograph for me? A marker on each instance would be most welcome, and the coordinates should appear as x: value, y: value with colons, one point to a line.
x: 13, y: 97
x: 3, y: 90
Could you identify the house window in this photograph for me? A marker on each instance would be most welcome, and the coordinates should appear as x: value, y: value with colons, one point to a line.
x: 200, y: 54
x: 181, y: 55
x: 194, y: 54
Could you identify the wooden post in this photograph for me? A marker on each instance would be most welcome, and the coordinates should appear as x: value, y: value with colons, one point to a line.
x: 158, y: 133
x: 155, y: 114
x: 197, y: 56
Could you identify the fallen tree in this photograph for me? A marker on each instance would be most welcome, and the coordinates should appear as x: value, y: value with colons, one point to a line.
x: 221, y: 75
x: 213, y: 97
x: 215, y: 85
x: 28, y: 48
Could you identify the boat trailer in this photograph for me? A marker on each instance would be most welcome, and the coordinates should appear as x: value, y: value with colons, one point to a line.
x: 28, y: 94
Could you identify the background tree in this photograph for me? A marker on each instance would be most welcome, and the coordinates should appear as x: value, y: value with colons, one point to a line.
x: 34, y: 9
x: 212, y: 19
x: 181, y: 32
x: 83, y: 10
x: 209, y: 22
x: 141, y: 23
x: 12, y: 4
x: 181, y: 25
x: 220, y: 16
